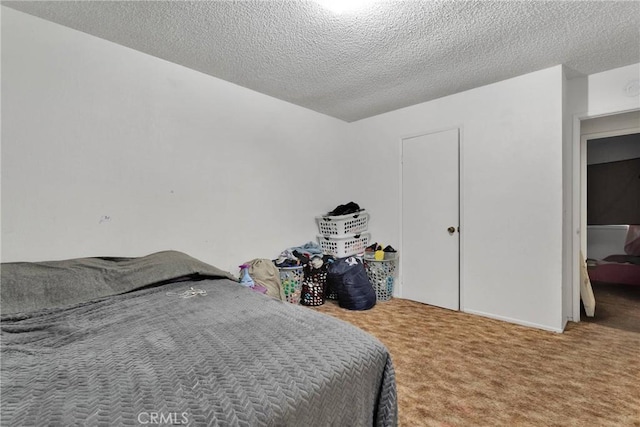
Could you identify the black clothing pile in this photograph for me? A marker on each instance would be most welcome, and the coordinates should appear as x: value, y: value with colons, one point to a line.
x: 346, y: 209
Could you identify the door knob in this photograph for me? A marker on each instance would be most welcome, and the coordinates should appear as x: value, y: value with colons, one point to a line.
x: 451, y: 230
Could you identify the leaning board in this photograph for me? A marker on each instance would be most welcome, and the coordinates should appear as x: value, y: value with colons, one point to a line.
x: 586, y: 292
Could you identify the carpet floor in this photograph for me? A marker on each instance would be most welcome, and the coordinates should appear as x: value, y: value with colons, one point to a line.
x: 617, y: 306
x: 457, y: 369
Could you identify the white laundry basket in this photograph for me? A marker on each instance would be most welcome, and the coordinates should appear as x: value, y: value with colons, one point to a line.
x: 343, y: 246
x: 353, y: 223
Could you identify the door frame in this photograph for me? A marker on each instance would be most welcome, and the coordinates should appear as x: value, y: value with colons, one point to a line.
x: 579, y: 202
x: 398, y: 289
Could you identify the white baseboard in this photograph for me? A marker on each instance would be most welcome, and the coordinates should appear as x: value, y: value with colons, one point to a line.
x: 516, y: 321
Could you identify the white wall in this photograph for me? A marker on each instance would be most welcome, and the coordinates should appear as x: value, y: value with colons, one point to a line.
x: 575, y: 93
x: 567, y: 271
x: 512, y: 192
x: 614, y: 90
x: 108, y: 151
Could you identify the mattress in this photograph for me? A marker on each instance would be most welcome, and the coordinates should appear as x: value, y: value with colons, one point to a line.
x: 618, y: 269
x: 196, y: 348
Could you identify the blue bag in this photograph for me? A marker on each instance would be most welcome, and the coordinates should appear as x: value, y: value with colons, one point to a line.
x: 348, y: 277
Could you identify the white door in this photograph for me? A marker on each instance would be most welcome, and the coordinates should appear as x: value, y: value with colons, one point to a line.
x: 430, y: 252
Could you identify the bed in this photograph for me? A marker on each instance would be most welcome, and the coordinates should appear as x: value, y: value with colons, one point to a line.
x: 614, y: 254
x: 167, y: 339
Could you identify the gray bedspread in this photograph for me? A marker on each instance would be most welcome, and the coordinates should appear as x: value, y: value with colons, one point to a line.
x: 230, y: 357
x: 29, y: 286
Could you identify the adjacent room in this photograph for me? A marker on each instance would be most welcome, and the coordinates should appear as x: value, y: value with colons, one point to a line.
x: 170, y: 170
x: 613, y: 212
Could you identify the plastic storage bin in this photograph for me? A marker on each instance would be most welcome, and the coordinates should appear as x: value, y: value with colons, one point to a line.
x: 291, y: 278
x: 354, y: 223
x: 344, y: 246
x: 382, y: 275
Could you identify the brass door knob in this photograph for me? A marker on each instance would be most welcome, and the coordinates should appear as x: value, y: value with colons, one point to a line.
x: 451, y: 230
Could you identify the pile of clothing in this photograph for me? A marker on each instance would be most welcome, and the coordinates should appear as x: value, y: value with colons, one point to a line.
x: 345, y: 209
x: 264, y: 275
x: 308, y: 254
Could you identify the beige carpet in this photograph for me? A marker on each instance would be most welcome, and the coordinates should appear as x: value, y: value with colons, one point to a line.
x: 456, y: 369
x: 617, y: 306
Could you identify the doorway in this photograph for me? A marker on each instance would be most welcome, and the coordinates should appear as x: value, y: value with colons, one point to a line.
x: 601, y: 131
x: 430, y: 242
x: 613, y: 215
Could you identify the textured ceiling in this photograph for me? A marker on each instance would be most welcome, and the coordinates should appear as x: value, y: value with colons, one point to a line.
x: 388, y: 55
